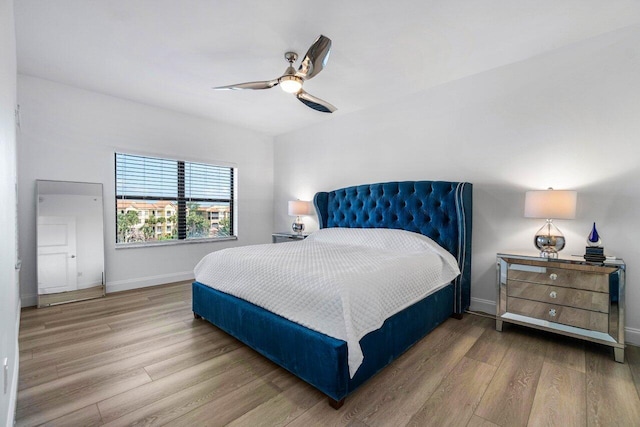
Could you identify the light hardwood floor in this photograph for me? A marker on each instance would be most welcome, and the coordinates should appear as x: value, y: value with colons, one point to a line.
x: 140, y: 358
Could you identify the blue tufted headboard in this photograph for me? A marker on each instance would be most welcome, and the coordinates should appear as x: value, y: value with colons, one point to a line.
x: 440, y: 210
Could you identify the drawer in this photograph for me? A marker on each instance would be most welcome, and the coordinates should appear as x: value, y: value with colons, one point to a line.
x: 584, y: 319
x: 586, y: 280
x: 588, y: 300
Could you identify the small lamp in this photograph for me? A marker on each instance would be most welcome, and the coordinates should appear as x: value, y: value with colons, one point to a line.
x: 298, y: 208
x: 550, y: 204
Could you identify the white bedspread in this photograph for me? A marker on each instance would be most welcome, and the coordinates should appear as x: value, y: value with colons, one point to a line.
x: 341, y: 282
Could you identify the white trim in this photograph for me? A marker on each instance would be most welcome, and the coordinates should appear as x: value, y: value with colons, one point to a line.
x: 136, y: 245
x: 483, y: 305
x: 144, y: 282
x: 632, y: 336
x: 13, y: 390
x: 29, y: 300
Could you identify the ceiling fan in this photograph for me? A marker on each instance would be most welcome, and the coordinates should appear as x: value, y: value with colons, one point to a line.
x: 291, y: 81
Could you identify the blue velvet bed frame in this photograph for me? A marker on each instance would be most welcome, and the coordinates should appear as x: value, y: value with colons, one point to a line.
x: 440, y: 210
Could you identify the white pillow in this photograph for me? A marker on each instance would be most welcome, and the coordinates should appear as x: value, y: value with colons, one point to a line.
x: 384, y: 239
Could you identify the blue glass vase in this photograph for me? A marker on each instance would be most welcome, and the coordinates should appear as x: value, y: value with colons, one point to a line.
x: 594, y: 238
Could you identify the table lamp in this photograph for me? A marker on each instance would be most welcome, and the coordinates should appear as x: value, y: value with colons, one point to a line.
x: 299, y: 208
x: 550, y: 204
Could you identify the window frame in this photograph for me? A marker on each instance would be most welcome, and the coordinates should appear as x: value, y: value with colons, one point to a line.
x: 180, y: 200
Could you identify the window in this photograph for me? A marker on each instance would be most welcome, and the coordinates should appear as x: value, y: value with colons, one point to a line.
x: 187, y: 192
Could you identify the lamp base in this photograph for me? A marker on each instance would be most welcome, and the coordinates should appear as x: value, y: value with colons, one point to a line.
x: 549, y: 240
x: 298, y: 226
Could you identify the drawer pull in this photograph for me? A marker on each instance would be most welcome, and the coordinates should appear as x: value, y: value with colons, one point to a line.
x: 553, y: 294
x: 552, y: 312
x: 553, y: 276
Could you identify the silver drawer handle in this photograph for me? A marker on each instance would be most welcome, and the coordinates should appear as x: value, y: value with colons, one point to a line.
x: 552, y: 312
x: 553, y: 294
x: 553, y: 276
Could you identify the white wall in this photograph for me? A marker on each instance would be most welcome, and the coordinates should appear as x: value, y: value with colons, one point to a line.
x: 70, y: 135
x: 567, y: 119
x: 9, y: 294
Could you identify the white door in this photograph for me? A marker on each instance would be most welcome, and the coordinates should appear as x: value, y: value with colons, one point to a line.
x: 56, y: 254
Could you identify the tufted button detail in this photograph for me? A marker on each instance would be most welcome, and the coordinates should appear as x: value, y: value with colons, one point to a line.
x: 427, y: 207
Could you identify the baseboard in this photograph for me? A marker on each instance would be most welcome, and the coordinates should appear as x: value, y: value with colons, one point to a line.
x: 632, y: 336
x: 144, y: 282
x: 30, y: 300
x: 13, y: 390
x: 483, y: 305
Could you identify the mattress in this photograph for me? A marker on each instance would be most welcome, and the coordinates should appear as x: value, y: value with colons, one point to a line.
x: 341, y: 282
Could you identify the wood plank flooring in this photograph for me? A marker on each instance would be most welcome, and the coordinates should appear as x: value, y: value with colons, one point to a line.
x: 139, y: 358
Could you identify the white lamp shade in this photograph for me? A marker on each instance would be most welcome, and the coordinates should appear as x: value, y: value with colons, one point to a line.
x: 299, y: 207
x: 550, y: 204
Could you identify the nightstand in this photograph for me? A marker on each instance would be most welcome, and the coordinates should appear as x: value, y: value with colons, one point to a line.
x: 564, y: 295
x: 287, y: 236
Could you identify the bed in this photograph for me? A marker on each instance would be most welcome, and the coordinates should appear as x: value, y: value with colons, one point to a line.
x: 439, y: 210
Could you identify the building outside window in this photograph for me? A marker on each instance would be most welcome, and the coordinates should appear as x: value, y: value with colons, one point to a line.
x: 171, y: 200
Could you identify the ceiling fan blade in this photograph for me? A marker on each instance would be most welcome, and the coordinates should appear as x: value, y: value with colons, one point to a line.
x: 316, y: 58
x: 250, y: 85
x: 315, y: 103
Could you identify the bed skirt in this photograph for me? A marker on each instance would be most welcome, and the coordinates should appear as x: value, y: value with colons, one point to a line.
x: 316, y: 358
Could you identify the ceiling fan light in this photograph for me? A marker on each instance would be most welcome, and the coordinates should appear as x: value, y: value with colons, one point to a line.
x: 290, y: 84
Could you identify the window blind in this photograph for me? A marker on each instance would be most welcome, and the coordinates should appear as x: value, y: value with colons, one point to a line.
x: 188, y: 200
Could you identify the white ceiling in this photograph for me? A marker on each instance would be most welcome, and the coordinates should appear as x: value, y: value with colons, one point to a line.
x: 170, y: 53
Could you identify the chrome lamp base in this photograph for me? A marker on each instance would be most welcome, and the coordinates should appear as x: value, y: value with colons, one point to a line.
x: 549, y: 240
x: 298, y: 225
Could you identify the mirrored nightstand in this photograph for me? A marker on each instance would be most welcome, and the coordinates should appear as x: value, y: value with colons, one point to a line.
x: 287, y: 236
x: 565, y: 295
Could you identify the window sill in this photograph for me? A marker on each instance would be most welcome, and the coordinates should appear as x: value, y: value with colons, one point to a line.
x: 173, y: 242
